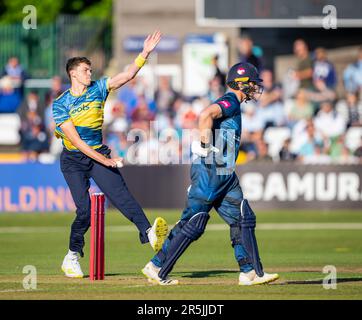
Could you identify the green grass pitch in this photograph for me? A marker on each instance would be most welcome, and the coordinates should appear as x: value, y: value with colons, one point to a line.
x: 296, y: 244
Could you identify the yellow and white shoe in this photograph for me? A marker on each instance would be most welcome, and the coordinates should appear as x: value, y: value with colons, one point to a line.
x: 158, y: 233
x: 151, y: 272
x: 251, y: 278
x: 71, y: 266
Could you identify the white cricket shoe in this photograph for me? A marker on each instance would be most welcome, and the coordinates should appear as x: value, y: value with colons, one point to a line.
x: 251, y: 278
x: 151, y: 272
x: 158, y: 233
x: 71, y: 266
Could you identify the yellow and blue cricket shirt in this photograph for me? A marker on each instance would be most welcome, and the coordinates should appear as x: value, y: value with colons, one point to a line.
x: 85, y: 111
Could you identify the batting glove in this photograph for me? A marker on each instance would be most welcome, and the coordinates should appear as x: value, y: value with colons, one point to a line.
x: 201, y: 149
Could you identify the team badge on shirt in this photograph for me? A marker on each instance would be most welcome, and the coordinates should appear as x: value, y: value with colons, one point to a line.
x: 226, y: 104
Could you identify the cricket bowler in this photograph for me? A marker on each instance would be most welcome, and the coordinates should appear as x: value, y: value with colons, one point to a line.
x: 78, y: 114
x: 214, y: 184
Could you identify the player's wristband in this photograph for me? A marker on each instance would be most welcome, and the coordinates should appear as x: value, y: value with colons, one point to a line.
x: 140, y: 61
x: 205, y: 145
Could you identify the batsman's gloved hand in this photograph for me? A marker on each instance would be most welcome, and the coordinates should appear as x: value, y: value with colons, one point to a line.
x: 201, y: 149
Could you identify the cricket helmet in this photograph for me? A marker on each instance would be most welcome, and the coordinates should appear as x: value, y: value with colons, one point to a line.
x: 244, y: 76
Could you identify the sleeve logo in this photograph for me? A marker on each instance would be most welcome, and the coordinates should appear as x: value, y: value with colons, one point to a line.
x: 225, y: 104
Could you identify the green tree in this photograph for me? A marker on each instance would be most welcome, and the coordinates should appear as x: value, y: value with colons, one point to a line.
x: 11, y: 11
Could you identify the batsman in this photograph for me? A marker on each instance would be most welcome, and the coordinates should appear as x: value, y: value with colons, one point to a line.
x: 214, y: 184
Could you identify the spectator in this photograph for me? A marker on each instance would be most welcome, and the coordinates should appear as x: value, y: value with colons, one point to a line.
x: 320, y: 93
x: 34, y: 139
x: 358, y: 152
x: 270, y: 103
x: 188, y: 117
x: 262, y: 151
x: 180, y: 107
x: 142, y: 115
x: 324, y: 69
x: 118, y: 119
x: 165, y: 96
x: 304, y: 69
x: 119, y: 144
x: 350, y: 109
x: 218, y: 73
x: 128, y: 96
x: 17, y: 74
x: 339, y: 152
x: 298, y: 109
x: 314, y: 149
x: 285, y: 153
x: 32, y: 103
x: 215, y: 89
x: 246, y: 52
x: 9, y: 98
x: 329, y: 122
x: 253, y: 126
x: 147, y: 150
x: 352, y: 75
x: 55, y: 91
x: 251, y: 120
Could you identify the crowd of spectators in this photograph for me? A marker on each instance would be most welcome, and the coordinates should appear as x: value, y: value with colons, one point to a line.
x: 305, y: 105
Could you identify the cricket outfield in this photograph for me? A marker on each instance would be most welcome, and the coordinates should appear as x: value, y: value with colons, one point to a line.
x: 296, y: 244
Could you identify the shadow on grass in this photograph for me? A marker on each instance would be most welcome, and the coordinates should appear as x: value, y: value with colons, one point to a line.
x: 205, y: 274
x: 214, y: 273
x: 115, y: 275
x: 317, y: 281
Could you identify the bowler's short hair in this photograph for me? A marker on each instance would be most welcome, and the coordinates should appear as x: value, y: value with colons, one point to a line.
x: 75, y: 62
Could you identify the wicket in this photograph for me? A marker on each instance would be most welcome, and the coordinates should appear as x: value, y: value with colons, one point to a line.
x: 96, y: 261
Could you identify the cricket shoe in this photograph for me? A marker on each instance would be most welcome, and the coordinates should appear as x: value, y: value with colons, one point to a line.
x: 251, y: 278
x: 151, y: 272
x: 158, y: 233
x: 71, y: 266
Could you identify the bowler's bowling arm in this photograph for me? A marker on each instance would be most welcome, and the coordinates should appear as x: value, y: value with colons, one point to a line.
x: 72, y: 135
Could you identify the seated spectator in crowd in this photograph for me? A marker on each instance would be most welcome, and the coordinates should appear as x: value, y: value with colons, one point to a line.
x: 352, y: 75
x: 10, y: 99
x: 165, y: 96
x: 323, y: 69
x: 117, y: 141
x: 350, y: 109
x: 216, y: 90
x: 253, y: 126
x: 315, y: 148
x: 34, y: 139
x: 146, y: 151
x: 358, y: 152
x: 285, y: 153
x: 117, y: 121
x: 304, y: 69
x: 320, y: 93
x: 270, y: 103
x: 262, y: 151
x: 17, y: 74
x: 129, y: 97
x: 246, y: 54
x: 339, y: 152
x: 251, y: 120
x: 189, y: 118
x: 170, y: 147
x: 299, y: 108
x: 218, y: 73
x: 142, y: 115
x: 328, y: 121
x: 32, y: 103
x: 55, y: 91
